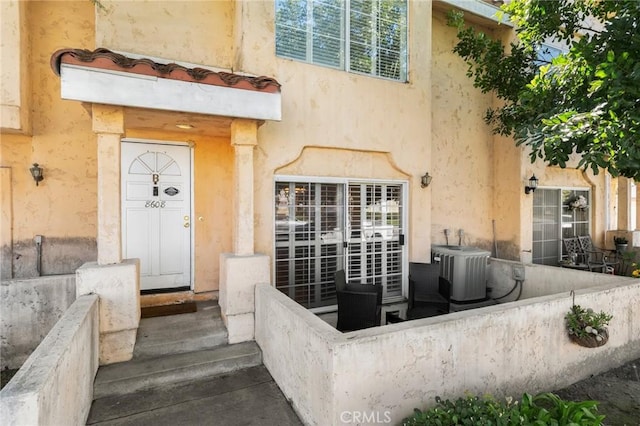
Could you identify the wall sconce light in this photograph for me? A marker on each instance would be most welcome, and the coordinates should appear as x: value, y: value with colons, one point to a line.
x: 425, y: 180
x: 36, y: 172
x: 533, y: 184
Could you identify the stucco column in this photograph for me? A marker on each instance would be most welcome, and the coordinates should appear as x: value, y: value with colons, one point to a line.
x: 638, y: 206
x: 6, y: 219
x: 114, y: 280
x: 14, y: 97
x: 108, y: 124
x: 244, y: 138
x: 624, y: 203
x: 241, y: 270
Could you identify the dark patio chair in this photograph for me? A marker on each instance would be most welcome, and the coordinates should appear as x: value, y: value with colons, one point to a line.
x: 340, y: 280
x: 359, y: 306
x: 429, y: 293
x: 595, y: 255
x: 574, y: 251
x: 597, y: 262
x: 586, y: 244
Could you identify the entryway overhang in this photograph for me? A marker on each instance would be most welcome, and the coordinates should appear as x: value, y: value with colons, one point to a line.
x: 105, y: 77
x: 136, y: 93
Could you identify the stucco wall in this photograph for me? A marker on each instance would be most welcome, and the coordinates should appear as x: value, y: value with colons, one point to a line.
x: 62, y: 143
x: 199, y: 32
x: 462, y: 147
x: 353, y: 117
x: 29, y: 309
x: 333, y: 124
x: 65, y: 145
x: 55, y: 385
x: 540, y: 280
x: 15, y: 102
x: 297, y: 350
x: 213, y: 208
x: 503, y: 350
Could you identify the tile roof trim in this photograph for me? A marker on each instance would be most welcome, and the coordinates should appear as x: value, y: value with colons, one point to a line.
x: 105, y: 59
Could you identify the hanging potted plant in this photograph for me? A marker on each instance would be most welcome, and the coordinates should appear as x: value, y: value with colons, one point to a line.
x: 578, y: 203
x: 586, y: 327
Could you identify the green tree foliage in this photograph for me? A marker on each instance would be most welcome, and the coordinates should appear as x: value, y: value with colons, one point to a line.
x: 586, y: 100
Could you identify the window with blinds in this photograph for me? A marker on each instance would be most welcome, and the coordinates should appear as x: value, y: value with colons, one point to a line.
x: 361, y: 36
x: 323, y: 227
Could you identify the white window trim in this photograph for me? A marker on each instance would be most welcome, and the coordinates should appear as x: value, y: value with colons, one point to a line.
x: 404, y: 184
x: 480, y: 8
x: 590, y: 214
x: 346, y: 48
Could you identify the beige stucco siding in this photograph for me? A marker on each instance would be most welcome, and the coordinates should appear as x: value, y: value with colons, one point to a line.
x: 334, y: 124
x: 354, y: 119
x: 14, y: 82
x: 199, y: 32
x: 62, y: 141
x: 63, y: 207
x: 462, y: 148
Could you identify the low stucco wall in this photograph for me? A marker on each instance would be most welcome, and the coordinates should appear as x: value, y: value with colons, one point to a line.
x: 55, y: 384
x: 541, y: 280
x: 29, y: 309
x: 382, y: 374
x: 297, y: 350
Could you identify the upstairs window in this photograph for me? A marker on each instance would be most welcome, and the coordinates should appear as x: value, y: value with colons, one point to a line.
x: 360, y: 36
x: 546, y: 54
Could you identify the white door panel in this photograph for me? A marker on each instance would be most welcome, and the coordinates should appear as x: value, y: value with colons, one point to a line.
x: 156, y: 212
x: 171, y: 222
x: 137, y: 191
x: 137, y: 232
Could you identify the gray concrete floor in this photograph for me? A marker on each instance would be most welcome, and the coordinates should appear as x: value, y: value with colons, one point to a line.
x: 246, y: 397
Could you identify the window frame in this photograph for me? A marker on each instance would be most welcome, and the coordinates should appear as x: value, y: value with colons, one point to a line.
x: 561, y: 223
x: 346, y: 41
x: 344, y: 252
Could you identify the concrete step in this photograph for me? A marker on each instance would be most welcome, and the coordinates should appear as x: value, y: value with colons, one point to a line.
x: 147, y: 373
x: 248, y: 396
x: 190, y: 332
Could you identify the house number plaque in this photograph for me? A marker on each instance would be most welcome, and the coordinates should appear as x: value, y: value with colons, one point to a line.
x: 155, y: 204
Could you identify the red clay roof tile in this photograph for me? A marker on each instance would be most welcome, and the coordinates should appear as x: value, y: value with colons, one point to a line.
x: 106, y: 59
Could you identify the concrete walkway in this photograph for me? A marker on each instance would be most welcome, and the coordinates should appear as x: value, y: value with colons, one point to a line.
x: 245, y: 397
x: 616, y: 390
x: 184, y: 372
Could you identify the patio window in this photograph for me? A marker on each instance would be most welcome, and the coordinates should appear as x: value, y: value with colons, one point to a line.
x: 321, y: 227
x: 558, y: 215
x: 360, y: 36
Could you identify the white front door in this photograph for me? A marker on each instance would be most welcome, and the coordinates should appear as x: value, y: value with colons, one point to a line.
x: 156, y: 212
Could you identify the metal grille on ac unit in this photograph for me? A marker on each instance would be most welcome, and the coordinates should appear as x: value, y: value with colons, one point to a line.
x: 466, y: 268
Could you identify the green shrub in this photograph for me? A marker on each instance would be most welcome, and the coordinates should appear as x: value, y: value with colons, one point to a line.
x: 545, y: 409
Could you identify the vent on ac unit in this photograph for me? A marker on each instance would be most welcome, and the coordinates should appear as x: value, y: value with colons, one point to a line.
x: 466, y: 268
